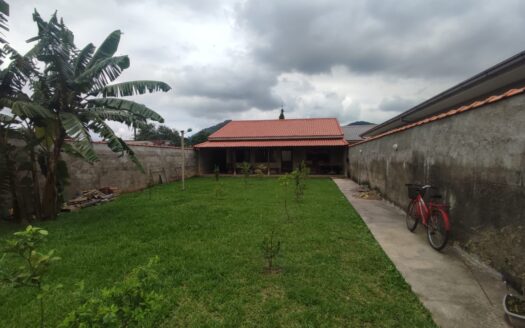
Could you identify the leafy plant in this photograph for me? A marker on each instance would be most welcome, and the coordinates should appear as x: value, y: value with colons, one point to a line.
x: 299, y: 176
x: 72, y: 97
x: 515, y: 304
x: 127, y: 304
x: 33, y: 266
x: 285, y: 182
x: 218, y: 189
x: 260, y: 169
x: 245, y: 170
x: 270, y: 249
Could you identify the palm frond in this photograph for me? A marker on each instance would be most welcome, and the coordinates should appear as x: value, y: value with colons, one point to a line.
x: 4, y: 8
x: 115, y: 143
x: 107, y: 49
x: 138, y: 110
x: 15, y: 76
x: 112, y: 115
x: 25, y: 109
x: 133, y: 88
x: 103, y: 72
x: 4, y: 12
x: 6, y: 119
x: 80, y: 135
x: 56, y: 41
x: 83, y: 58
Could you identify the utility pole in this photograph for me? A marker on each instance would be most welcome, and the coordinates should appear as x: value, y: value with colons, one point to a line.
x: 183, y: 155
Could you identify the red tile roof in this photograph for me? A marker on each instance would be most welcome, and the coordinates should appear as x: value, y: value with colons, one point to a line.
x: 274, y: 143
x: 312, y: 128
x: 452, y: 112
x: 324, y: 132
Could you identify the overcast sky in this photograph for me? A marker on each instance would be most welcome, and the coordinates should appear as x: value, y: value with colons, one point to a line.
x: 354, y: 60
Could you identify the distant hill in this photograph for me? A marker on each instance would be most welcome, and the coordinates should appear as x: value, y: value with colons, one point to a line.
x: 203, y: 134
x: 215, y: 127
x: 360, y: 123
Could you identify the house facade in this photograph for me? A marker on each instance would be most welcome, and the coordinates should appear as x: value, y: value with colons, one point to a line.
x: 275, y: 147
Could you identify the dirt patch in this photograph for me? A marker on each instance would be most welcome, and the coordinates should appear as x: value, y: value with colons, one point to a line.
x: 273, y: 270
x: 272, y: 292
x: 364, y: 192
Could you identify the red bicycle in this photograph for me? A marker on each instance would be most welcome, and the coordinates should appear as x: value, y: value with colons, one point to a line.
x: 425, y: 206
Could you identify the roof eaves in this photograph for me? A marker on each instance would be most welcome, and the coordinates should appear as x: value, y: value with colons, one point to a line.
x: 499, y: 68
x: 477, y: 104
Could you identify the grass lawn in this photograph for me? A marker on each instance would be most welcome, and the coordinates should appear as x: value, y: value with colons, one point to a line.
x: 333, y: 271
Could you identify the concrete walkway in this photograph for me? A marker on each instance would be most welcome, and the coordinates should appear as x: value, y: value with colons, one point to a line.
x: 457, y: 292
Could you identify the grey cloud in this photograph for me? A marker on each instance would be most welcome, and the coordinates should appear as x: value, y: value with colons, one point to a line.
x: 396, y: 104
x: 405, y: 38
x: 437, y: 43
x: 241, y: 84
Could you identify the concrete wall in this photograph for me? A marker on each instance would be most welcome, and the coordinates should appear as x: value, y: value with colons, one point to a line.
x: 476, y: 158
x: 160, y: 164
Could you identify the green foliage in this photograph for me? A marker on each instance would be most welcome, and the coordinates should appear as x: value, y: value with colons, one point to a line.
x: 299, y: 176
x: 218, y: 189
x: 199, y: 137
x: 127, y: 304
x: 72, y: 96
x: 285, y: 181
x: 161, y: 132
x: 202, y: 135
x: 270, y: 249
x: 261, y: 169
x: 32, y: 265
x: 134, y: 88
x: 245, y: 170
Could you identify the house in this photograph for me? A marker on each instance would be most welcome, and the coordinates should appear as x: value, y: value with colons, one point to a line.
x: 354, y: 130
x: 275, y: 146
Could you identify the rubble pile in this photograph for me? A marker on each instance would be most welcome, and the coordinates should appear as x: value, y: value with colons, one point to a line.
x: 90, y: 198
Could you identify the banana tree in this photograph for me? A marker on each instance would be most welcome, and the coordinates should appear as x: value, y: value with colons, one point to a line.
x: 76, y: 87
x: 13, y: 78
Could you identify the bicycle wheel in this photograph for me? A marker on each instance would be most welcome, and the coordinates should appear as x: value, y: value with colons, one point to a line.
x: 412, y: 217
x: 436, y: 231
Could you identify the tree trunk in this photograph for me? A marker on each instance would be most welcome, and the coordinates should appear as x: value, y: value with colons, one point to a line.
x: 13, y: 185
x: 50, y: 205
x: 10, y: 175
x: 36, y: 186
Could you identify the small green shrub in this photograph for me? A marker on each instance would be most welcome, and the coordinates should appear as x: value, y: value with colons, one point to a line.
x: 299, y: 176
x: 127, y: 304
x: 28, y: 267
x: 218, y: 189
x: 270, y: 248
x: 285, y: 182
x: 245, y: 169
x: 260, y: 169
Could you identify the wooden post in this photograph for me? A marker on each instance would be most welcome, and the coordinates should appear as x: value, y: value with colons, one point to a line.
x: 183, y: 155
x: 234, y: 162
x: 268, y: 162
